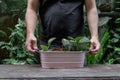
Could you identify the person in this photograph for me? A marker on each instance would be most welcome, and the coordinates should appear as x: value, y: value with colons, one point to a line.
x: 61, y: 18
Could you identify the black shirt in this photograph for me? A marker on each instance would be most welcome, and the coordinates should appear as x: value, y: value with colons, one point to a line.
x: 61, y: 18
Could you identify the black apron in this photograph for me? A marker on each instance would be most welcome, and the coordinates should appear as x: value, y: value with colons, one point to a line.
x: 61, y: 18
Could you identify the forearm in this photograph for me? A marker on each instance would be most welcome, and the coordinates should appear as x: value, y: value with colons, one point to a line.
x: 92, y: 17
x: 31, y: 18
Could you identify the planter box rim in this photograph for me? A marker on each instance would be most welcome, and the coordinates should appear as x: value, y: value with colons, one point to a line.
x: 62, y: 51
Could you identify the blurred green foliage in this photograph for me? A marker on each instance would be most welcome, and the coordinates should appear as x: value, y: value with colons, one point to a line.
x: 109, y: 33
x: 15, y: 47
x: 13, y: 6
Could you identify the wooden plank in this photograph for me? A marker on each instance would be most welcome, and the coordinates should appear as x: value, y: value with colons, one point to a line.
x: 35, y: 72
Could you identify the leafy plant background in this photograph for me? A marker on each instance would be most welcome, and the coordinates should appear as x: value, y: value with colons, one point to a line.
x: 12, y: 38
x: 109, y: 29
x: 16, y: 52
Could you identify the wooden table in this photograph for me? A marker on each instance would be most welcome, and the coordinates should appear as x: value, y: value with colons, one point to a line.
x: 35, y: 72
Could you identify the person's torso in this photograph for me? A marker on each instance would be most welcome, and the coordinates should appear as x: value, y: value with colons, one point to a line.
x: 61, y: 18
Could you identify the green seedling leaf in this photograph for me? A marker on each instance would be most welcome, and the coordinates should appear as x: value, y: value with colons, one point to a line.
x: 50, y: 41
x: 70, y: 38
x: 73, y: 42
x: 76, y: 44
x: 44, y: 47
x: 65, y: 42
x: 72, y: 45
x: 84, y: 40
x: 77, y: 39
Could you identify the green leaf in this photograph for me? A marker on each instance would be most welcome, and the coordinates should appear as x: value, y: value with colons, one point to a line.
x: 73, y: 44
x: 117, y: 29
x: 117, y: 49
x: 117, y: 35
x: 114, y: 40
x: 50, y: 41
x: 3, y: 34
x: 109, y: 46
x: 66, y: 44
x: 111, y: 61
x: 84, y: 40
x: 21, y: 55
x: 77, y: 39
x: 2, y: 43
x: 44, y: 47
x: 70, y: 38
x: 30, y: 61
x: 103, y: 21
x: 14, y: 48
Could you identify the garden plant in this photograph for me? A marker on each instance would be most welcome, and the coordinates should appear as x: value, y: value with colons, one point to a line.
x: 70, y: 55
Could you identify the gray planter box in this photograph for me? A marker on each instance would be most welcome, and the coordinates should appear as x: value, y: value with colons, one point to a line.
x: 62, y: 59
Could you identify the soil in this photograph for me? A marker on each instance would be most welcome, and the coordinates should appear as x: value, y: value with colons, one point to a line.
x: 58, y: 49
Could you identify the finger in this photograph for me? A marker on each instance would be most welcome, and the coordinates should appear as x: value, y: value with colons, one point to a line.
x: 29, y: 48
x: 92, y: 49
x: 34, y: 45
x: 96, y: 48
x: 93, y: 52
x: 91, y: 46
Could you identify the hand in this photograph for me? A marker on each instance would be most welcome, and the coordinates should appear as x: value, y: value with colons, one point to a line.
x: 31, y: 44
x: 94, y: 46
